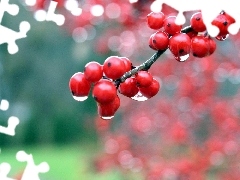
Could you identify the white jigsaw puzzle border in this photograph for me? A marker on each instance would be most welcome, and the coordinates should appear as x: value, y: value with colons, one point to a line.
x: 10, y: 129
x: 31, y: 171
x: 209, y: 9
x: 8, y: 35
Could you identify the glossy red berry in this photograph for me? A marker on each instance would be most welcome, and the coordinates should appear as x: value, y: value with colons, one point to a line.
x: 114, y: 67
x: 107, y: 111
x: 160, y: 40
x: 212, y: 45
x: 129, y: 87
x: 79, y: 85
x: 104, y: 91
x: 180, y: 44
x: 197, y: 23
x: 170, y: 26
x: 127, y: 62
x: 144, y: 79
x: 155, y: 20
x: 93, y: 71
x: 151, y: 44
x: 230, y: 18
x: 222, y: 21
x: 151, y: 90
x: 201, y: 46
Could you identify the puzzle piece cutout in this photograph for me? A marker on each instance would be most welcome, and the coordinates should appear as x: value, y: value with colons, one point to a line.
x: 31, y: 171
x: 232, y: 7
x: 72, y: 6
x: 12, y: 123
x: 42, y: 15
x: 7, y: 35
x: 4, y: 171
x: 12, y: 9
x: 4, y: 105
x: 51, y: 16
x: 209, y: 9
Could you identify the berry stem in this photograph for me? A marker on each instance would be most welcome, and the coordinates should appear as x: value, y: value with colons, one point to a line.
x: 187, y: 29
x: 147, y: 64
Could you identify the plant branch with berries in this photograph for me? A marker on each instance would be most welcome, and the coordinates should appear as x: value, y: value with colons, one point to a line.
x: 147, y: 64
x: 117, y: 74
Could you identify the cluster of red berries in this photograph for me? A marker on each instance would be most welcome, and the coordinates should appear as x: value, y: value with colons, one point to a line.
x: 104, y: 79
x: 197, y: 41
x: 107, y: 79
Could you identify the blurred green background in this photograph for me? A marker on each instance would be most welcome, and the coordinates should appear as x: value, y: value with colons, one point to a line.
x: 53, y: 126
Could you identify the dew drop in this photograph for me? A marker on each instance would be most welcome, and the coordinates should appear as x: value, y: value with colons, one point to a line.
x: 139, y: 97
x: 222, y: 38
x: 182, y: 58
x: 107, y: 117
x: 80, y: 98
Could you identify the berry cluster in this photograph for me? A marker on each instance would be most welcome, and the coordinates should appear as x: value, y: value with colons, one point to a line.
x: 197, y: 41
x: 106, y: 81
x: 118, y: 75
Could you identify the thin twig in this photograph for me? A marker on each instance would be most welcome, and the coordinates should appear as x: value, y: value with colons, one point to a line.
x: 147, y: 64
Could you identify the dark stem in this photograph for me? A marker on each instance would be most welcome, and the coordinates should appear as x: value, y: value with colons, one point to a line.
x: 187, y: 29
x: 147, y: 64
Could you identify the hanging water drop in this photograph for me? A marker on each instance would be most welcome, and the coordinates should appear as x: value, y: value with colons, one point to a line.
x: 139, y: 97
x: 222, y: 38
x: 182, y: 58
x: 107, y: 117
x: 80, y: 98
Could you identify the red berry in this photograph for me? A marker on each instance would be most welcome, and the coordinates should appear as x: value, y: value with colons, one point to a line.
x: 212, y: 45
x: 79, y: 85
x: 104, y: 91
x: 197, y: 23
x: 114, y: 67
x: 160, y: 40
x: 93, y: 71
x: 127, y: 62
x: 151, y: 44
x: 230, y: 18
x: 144, y: 79
x: 151, y: 90
x: 180, y: 44
x: 129, y: 87
x: 199, y: 46
x: 202, y: 46
x: 222, y: 21
x: 155, y: 20
x: 107, y: 111
x: 170, y: 26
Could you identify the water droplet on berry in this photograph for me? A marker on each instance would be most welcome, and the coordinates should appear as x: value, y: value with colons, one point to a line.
x: 107, y: 117
x: 139, y: 97
x: 82, y: 98
x: 222, y: 38
x: 182, y: 58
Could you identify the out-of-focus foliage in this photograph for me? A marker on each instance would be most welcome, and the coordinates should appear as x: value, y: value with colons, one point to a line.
x: 35, y: 82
